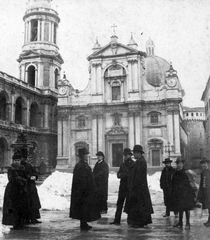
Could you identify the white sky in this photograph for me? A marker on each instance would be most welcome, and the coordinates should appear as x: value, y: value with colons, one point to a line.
x: 179, y: 29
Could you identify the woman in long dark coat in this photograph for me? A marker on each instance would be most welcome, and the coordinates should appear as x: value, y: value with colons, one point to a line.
x: 138, y: 204
x: 182, y: 194
x: 204, y: 188
x: 83, y: 193
x: 15, y: 205
x: 34, y: 201
x: 101, y: 175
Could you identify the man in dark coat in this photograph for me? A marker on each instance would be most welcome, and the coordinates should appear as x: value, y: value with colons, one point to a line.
x: 15, y: 205
x: 182, y: 194
x: 34, y: 201
x: 123, y: 174
x: 165, y: 183
x: 101, y: 175
x: 138, y: 204
x: 204, y: 188
x: 83, y: 193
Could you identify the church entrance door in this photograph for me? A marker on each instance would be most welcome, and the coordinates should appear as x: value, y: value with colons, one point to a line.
x: 117, y: 156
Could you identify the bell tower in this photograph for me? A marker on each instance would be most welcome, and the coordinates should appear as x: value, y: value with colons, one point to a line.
x: 40, y: 61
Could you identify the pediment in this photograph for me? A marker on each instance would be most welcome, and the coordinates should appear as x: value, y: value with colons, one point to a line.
x: 113, y: 49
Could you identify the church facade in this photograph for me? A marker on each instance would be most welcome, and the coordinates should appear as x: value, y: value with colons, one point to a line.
x: 28, y: 104
x: 132, y: 97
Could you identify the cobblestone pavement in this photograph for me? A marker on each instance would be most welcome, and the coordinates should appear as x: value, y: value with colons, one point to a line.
x: 57, y: 225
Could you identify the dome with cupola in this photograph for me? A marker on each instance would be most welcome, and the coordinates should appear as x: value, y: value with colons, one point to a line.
x: 156, y: 67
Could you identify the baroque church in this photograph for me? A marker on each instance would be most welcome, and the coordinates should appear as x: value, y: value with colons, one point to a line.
x: 132, y: 97
x: 28, y: 104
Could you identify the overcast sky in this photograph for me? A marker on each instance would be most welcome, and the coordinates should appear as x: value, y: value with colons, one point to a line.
x: 180, y: 30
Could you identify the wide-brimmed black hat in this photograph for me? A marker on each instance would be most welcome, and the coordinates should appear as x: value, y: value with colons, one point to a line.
x: 100, y: 153
x: 167, y: 160
x: 82, y: 151
x: 17, y: 155
x: 127, y: 151
x: 179, y: 159
x: 138, y: 148
x: 204, y: 160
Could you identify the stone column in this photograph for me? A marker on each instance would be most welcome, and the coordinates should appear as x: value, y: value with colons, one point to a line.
x: 138, y: 128
x: 170, y: 126
x: 42, y: 36
x: 29, y: 32
x: 130, y: 86
x: 12, y: 106
x: 60, y: 136
x: 95, y: 132
x: 135, y: 65
x: 46, y: 114
x: 93, y: 78
x: 99, y: 79
x: 176, y: 131
x: 131, y: 129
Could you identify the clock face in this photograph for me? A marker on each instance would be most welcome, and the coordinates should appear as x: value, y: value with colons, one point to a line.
x: 171, y: 82
x: 62, y: 90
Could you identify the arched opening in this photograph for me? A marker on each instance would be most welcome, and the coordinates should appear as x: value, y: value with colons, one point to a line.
x: 18, y: 111
x: 3, y: 107
x: 31, y: 75
x: 34, y: 119
x: 3, y: 152
x: 56, y: 78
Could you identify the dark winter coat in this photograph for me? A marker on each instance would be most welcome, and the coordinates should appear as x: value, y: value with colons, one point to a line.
x: 83, y: 194
x: 138, y: 203
x: 101, y: 175
x: 204, y: 189
x: 15, y: 196
x: 165, y: 183
x: 35, y: 204
x: 123, y: 174
x: 182, y: 193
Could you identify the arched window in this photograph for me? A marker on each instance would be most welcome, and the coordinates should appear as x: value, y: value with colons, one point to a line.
x: 3, y: 107
x: 18, y: 111
x: 3, y: 151
x: 34, y: 115
x: 56, y: 78
x: 31, y: 75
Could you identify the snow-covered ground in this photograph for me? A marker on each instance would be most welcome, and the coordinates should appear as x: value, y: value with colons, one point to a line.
x: 55, y: 191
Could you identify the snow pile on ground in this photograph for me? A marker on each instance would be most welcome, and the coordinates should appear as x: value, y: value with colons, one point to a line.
x: 55, y: 191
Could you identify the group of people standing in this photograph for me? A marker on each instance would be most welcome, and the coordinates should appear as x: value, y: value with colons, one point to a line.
x: 21, y: 201
x: 90, y: 190
x: 181, y: 193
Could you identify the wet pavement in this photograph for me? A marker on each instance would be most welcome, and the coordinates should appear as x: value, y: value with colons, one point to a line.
x: 57, y: 225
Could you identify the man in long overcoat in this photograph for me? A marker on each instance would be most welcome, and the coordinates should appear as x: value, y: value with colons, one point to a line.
x: 165, y: 184
x: 182, y: 194
x: 138, y: 204
x: 101, y: 175
x: 123, y: 175
x: 83, y: 193
x: 204, y: 188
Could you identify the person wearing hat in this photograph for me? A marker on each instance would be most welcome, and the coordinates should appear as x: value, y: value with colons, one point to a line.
x: 138, y: 203
x: 15, y: 205
x: 83, y: 193
x: 204, y: 188
x: 123, y: 174
x: 182, y: 194
x: 165, y: 184
x: 101, y: 175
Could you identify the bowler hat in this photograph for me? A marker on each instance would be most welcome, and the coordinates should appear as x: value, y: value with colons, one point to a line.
x: 204, y: 160
x: 127, y: 151
x: 179, y: 159
x: 100, y: 153
x: 82, y: 151
x: 138, y: 148
x: 167, y: 160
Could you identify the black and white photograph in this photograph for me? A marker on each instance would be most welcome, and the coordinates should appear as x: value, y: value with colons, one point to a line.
x: 105, y: 119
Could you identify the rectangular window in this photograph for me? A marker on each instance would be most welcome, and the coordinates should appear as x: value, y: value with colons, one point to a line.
x: 116, y: 93
x: 81, y: 122
x: 187, y: 114
x: 154, y: 118
x: 192, y: 114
